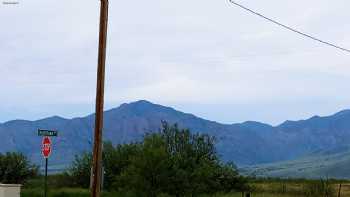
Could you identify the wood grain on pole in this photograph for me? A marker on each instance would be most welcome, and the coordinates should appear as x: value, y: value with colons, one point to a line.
x: 97, y: 149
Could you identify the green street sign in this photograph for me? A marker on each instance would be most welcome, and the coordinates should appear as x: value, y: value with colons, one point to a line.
x: 42, y: 132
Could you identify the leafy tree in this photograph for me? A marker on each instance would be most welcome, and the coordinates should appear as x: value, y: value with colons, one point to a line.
x: 172, y: 162
x: 116, y: 160
x: 80, y: 170
x: 178, y: 163
x: 193, y: 159
x: 15, y: 168
x: 148, y: 169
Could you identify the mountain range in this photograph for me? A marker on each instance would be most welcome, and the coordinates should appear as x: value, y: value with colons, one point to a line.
x: 255, y: 147
x: 314, y: 166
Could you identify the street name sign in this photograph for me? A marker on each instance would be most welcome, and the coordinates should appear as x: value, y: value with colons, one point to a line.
x: 43, y: 132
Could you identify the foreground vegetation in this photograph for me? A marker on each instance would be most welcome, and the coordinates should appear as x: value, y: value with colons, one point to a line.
x: 16, y: 168
x: 69, y: 192
x: 262, y: 188
x: 170, y: 163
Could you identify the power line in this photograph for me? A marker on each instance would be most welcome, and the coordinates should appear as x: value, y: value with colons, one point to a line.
x: 289, y: 28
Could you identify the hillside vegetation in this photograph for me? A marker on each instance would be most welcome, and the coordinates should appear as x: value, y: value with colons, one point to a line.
x: 173, y: 162
x: 249, y: 143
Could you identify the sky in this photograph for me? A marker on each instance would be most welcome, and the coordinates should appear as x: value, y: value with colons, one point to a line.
x: 205, y: 57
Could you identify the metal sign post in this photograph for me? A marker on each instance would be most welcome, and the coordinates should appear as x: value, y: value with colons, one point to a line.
x: 45, y: 187
x: 46, y: 150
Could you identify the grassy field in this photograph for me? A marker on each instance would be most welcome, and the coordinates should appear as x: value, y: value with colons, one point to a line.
x: 261, y: 189
x: 71, y: 192
x: 75, y: 192
x: 295, y: 189
x: 63, y: 192
x: 257, y: 195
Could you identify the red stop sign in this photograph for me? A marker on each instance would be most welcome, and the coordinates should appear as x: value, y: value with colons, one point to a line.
x: 46, y: 147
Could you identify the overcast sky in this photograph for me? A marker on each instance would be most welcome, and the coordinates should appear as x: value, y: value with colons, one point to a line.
x: 205, y: 57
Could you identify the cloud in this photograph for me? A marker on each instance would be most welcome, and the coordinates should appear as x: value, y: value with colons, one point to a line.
x: 181, y: 53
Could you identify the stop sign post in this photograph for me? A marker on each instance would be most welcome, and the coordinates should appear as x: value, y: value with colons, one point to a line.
x: 46, y: 149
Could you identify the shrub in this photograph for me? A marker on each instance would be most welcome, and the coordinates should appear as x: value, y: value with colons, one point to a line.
x: 173, y: 162
x: 15, y: 168
x: 80, y: 170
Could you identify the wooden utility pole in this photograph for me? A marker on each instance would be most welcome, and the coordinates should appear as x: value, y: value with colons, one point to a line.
x: 97, y: 150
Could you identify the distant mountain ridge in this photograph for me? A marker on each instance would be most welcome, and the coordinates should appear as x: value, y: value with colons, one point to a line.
x: 248, y: 143
x: 322, y: 164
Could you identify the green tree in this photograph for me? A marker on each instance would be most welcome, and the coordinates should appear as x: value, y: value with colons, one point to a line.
x: 15, y: 168
x: 172, y: 162
x: 80, y: 170
x: 116, y: 160
x: 194, y: 161
x: 148, y: 169
x: 177, y: 163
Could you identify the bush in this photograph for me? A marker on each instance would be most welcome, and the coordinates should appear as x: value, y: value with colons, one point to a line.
x: 80, y: 170
x: 15, y: 168
x: 115, y: 160
x: 173, y: 162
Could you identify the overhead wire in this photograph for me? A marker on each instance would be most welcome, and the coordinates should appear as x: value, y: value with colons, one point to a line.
x: 290, y: 28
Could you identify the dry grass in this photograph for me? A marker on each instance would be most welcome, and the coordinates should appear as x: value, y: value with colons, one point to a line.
x: 275, y: 189
x: 345, y: 189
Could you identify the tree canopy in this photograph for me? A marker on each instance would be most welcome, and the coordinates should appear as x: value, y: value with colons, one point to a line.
x: 15, y: 168
x: 171, y: 162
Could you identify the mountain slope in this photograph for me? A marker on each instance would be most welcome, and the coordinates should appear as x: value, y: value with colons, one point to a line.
x: 248, y: 143
x: 334, y: 165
